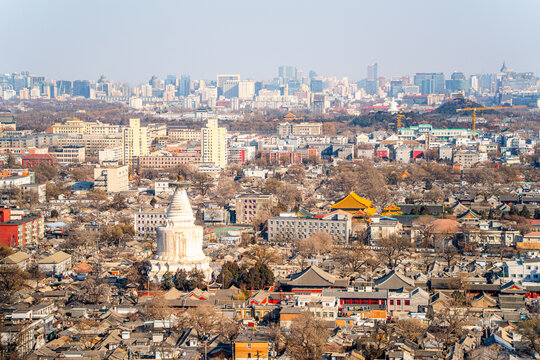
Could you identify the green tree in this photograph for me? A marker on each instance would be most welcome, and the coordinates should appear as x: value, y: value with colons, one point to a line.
x: 229, y: 275
x: 525, y: 212
x: 167, y: 281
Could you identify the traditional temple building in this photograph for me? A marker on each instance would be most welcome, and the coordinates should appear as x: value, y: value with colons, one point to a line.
x: 356, y: 205
x: 312, y: 280
x: 469, y: 217
x: 391, y: 211
x: 179, y: 242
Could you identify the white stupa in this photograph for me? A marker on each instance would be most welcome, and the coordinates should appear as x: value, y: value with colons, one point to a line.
x: 179, y: 242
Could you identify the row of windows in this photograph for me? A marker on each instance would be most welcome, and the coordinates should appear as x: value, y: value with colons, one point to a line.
x: 398, y: 302
x: 363, y: 301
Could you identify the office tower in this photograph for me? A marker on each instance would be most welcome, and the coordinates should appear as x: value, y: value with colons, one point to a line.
x: 146, y: 90
x: 156, y: 83
x: 81, y: 88
x: 293, y: 86
x: 430, y: 83
x: 135, y: 141
x: 230, y: 89
x: 214, y: 144
x: 258, y: 87
x: 19, y: 82
x: 221, y: 79
x: 457, y: 82
x: 312, y: 74
x: 184, y: 86
x: 475, y: 83
x: 246, y: 89
x: 171, y: 80
x: 372, y: 72
x: 286, y: 73
x: 316, y: 85
x: 396, y: 87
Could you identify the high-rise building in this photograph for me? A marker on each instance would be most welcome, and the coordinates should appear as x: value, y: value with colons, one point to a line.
x: 111, y: 179
x: 430, y: 83
x: 171, y: 80
x: 458, y: 82
x: 214, y: 144
x: 184, y: 86
x: 246, y: 89
x: 317, y: 85
x: 135, y: 141
x: 230, y: 89
x: 221, y: 79
x: 372, y: 72
x: 286, y: 73
x: 81, y: 88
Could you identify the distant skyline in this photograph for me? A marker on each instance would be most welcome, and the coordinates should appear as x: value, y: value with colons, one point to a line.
x: 129, y: 41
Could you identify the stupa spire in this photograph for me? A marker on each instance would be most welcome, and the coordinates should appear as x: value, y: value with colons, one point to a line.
x: 179, y: 212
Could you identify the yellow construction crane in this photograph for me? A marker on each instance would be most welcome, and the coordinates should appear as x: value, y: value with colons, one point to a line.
x: 399, y: 120
x: 481, y: 108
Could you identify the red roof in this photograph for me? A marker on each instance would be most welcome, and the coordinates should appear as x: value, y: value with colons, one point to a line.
x: 37, y: 157
x: 533, y: 234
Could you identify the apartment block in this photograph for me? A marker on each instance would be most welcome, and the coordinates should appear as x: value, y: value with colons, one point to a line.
x: 147, y: 222
x: 184, y: 134
x: 92, y: 143
x: 469, y: 158
x: 167, y: 162
x: 77, y: 126
x: 112, y: 179
x: 214, y: 144
x: 70, y: 154
x: 28, y: 229
x: 135, y: 141
x: 249, y: 205
x: 289, y: 226
x: 301, y: 129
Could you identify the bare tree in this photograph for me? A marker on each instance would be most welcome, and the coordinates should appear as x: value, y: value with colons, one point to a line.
x: 393, y: 248
x: 351, y: 260
x: 448, y: 253
x: 203, y: 319
x: 158, y: 308
x: 530, y: 330
x: 225, y: 190
x: 203, y: 182
x: 377, y: 342
x: 449, y: 326
x: 410, y: 329
x: 263, y: 254
x: 229, y: 329
x: 317, y: 243
x: 307, y: 338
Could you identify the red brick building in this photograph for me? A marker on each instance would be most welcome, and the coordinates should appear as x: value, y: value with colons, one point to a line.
x: 18, y: 232
x: 38, y: 160
x: 283, y: 158
x: 167, y: 162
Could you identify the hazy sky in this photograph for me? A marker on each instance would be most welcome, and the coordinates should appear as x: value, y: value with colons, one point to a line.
x: 132, y: 40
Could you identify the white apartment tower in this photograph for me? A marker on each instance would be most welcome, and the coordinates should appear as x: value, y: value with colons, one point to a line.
x: 135, y: 141
x: 214, y: 144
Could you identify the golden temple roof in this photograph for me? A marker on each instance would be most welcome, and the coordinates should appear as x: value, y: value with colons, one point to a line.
x: 353, y: 202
